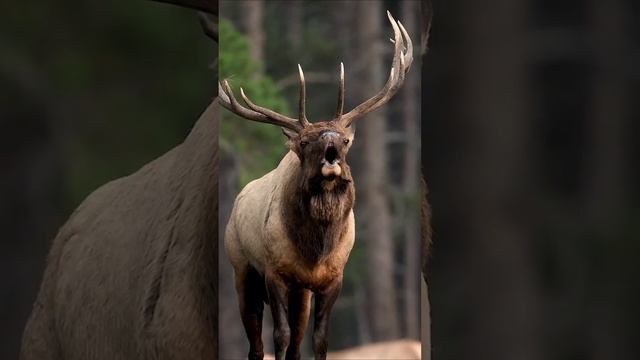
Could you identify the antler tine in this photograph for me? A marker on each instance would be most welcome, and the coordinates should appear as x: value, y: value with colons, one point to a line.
x: 276, y: 117
x: 340, y: 93
x: 408, y: 56
x: 394, y: 87
x: 400, y: 65
x: 302, y: 116
x: 256, y: 113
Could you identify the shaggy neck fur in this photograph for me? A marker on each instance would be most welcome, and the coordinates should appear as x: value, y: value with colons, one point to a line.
x: 316, y: 212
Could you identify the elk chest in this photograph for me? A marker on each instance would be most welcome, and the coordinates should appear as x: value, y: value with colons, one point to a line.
x: 284, y: 258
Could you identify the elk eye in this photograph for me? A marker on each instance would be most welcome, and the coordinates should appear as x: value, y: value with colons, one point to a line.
x: 303, y: 143
x: 345, y: 141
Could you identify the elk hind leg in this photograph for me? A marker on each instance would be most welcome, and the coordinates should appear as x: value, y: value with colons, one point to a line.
x: 299, y: 308
x: 251, y: 294
x: 324, y: 303
x: 278, y: 290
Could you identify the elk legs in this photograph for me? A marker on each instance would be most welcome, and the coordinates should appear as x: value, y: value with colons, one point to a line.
x: 324, y: 303
x: 250, y: 288
x: 278, y: 292
x: 299, y: 308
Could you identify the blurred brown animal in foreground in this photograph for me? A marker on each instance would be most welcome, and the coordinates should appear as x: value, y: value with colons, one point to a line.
x: 132, y: 274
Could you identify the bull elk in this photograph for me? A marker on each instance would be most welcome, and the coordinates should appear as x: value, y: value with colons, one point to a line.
x: 291, y: 231
x: 133, y: 272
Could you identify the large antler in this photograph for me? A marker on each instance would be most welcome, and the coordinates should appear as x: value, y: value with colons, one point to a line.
x: 402, y: 59
x: 260, y: 114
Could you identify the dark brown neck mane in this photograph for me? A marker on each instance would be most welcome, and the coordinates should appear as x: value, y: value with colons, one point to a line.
x: 316, y: 212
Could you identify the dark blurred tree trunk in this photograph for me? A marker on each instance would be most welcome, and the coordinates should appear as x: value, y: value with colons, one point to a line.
x: 33, y: 187
x: 295, y: 13
x: 608, y: 141
x: 253, y: 18
x: 373, y: 206
x: 425, y: 322
x: 33, y: 139
x: 493, y: 106
x: 426, y: 18
x: 606, y: 189
x: 411, y: 118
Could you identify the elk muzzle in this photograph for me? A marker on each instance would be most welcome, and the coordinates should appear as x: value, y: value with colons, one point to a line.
x: 331, y: 159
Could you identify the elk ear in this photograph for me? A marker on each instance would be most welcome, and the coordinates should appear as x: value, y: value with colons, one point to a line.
x: 351, y: 132
x: 290, y: 134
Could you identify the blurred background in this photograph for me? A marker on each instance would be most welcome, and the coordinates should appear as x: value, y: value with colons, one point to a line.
x: 530, y: 127
x: 89, y: 92
x: 261, y: 44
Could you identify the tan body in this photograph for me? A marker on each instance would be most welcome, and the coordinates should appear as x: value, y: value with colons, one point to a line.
x: 266, y: 248
x: 256, y: 234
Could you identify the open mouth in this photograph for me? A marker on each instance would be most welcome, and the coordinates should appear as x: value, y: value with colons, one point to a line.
x: 331, y: 155
x: 330, y: 168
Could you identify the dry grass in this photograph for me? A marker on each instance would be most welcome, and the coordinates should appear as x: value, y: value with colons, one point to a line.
x: 396, y: 350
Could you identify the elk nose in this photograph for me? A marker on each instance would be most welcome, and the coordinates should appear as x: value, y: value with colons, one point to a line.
x: 329, y: 137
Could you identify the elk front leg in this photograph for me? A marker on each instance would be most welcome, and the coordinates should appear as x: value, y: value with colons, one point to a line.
x: 324, y: 303
x: 278, y: 292
x: 299, y: 308
x: 250, y: 288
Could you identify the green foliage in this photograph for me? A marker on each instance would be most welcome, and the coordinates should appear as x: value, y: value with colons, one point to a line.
x: 259, y: 146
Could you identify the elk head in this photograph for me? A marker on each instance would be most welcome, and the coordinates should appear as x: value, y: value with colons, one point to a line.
x: 322, y: 147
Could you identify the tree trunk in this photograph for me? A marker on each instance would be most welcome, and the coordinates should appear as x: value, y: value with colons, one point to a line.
x: 373, y: 211
x: 253, y: 16
x: 493, y: 104
x: 609, y: 111
x: 411, y: 118
x: 425, y: 322
x: 295, y: 12
x: 606, y: 191
x: 426, y: 16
